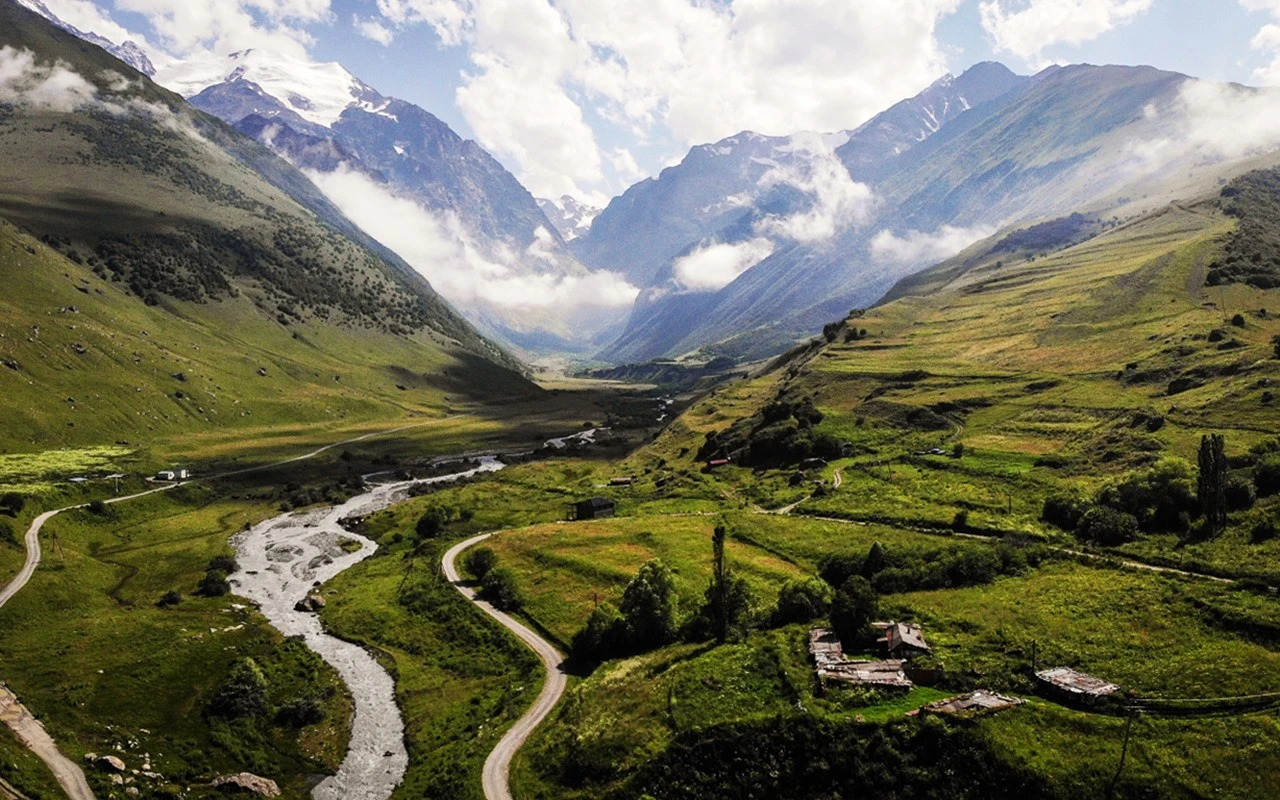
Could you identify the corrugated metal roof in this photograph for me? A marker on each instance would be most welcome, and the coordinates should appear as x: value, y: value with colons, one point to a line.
x: 1069, y: 680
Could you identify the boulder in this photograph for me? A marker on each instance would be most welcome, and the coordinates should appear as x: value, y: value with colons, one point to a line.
x: 110, y: 763
x: 311, y: 603
x: 247, y: 783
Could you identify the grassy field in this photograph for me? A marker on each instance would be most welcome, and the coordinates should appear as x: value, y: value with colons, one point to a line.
x: 89, y: 651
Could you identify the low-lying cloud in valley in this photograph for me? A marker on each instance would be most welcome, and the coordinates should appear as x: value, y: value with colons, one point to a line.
x: 439, y: 247
x: 838, y: 201
x: 915, y: 248
x: 714, y: 266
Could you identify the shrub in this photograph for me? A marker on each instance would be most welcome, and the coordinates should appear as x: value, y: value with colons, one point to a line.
x: 1240, y: 493
x: 98, y: 507
x: 501, y: 588
x: 301, y: 712
x: 7, y: 536
x: 169, y: 599
x: 13, y: 503
x: 1266, y: 476
x: 226, y: 564
x: 802, y: 600
x: 1107, y: 527
x: 1238, y: 320
x: 214, y: 584
x: 960, y: 522
x: 480, y: 562
x: 431, y: 523
x: 1156, y: 496
x: 243, y: 693
x: 1275, y: 344
x: 957, y: 450
x: 1263, y: 530
x: 1063, y: 511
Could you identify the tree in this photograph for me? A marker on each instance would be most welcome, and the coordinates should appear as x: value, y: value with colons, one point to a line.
x: 431, y: 522
x: 1211, y: 486
x: 802, y: 600
x: 1240, y: 493
x: 501, y: 588
x: 853, y: 608
x: 957, y: 450
x: 243, y: 693
x: 7, y: 536
x: 650, y: 606
x: 603, y: 637
x: 480, y: 562
x: 1108, y: 527
x: 875, y: 561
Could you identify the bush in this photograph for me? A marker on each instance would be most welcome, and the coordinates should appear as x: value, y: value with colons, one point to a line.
x: 1275, y: 344
x: 802, y: 600
x: 1263, y: 530
x: 1240, y: 493
x: 1238, y: 320
x: 169, y: 599
x: 603, y: 637
x: 98, y: 507
x: 214, y: 584
x: 13, y: 503
x: 301, y: 712
x: 501, y: 588
x: 431, y: 523
x: 480, y: 562
x: 7, y: 535
x: 1157, y: 497
x: 1063, y: 511
x: 1266, y: 476
x: 226, y: 564
x: 1107, y: 527
x: 960, y: 522
x: 243, y: 694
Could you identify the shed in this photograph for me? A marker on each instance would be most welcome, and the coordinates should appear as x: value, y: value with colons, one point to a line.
x: 905, y: 640
x: 970, y: 705
x: 1072, y: 686
x: 627, y: 481
x: 716, y: 463
x: 812, y: 464
x: 595, y: 508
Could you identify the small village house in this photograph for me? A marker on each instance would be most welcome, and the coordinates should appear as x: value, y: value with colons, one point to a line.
x: 594, y: 508
x: 903, y: 640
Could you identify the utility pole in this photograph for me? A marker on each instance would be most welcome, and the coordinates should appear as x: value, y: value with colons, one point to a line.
x: 1124, y: 751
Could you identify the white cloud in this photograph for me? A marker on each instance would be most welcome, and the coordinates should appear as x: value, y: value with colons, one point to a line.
x: 373, y: 30
x: 714, y: 266
x: 1262, y: 5
x: 837, y: 201
x: 1268, y: 39
x: 53, y: 86
x: 439, y: 247
x: 1040, y: 24
x: 202, y: 28
x: 915, y: 248
x: 684, y: 70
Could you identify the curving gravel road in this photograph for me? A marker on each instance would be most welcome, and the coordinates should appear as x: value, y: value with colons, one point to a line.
x: 29, y: 730
x: 497, y: 767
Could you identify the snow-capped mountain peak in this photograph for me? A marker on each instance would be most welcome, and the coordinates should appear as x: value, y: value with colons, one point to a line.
x: 572, y: 218
x: 128, y: 52
x: 317, y: 92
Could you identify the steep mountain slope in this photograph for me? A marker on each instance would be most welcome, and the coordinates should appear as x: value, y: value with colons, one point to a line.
x: 176, y: 257
x: 329, y: 123
x: 1067, y: 139
x: 128, y: 52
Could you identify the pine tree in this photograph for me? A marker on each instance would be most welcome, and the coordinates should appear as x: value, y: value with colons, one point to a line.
x: 1211, y: 488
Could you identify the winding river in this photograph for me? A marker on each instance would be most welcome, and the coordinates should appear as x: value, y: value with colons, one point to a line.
x: 282, y: 561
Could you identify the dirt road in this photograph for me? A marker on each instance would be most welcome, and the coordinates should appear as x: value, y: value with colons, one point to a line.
x: 29, y: 730
x: 497, y: 767
x: 32, y: 734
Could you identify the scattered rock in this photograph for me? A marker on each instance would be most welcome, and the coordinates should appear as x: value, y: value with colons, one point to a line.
x: 109, y: 763
x: 262, y: 371
x: 247, y: 782
x: 312, y: 603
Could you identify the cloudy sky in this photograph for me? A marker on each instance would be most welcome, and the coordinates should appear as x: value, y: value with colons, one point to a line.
x: 587, y: 96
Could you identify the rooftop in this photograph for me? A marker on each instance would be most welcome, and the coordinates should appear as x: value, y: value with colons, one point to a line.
x: 1069, y: 680
x: 978, y: 702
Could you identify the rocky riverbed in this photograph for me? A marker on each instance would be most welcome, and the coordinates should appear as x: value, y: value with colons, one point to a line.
x: 282, y: 561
